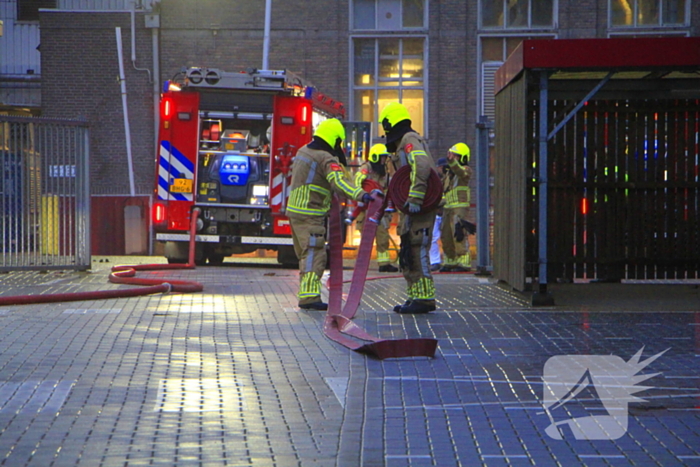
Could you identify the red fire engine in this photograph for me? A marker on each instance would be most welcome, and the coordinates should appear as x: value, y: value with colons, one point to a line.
x: 226, y: 143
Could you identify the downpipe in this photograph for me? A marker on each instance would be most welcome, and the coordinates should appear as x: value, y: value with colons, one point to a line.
x: 125, y: 275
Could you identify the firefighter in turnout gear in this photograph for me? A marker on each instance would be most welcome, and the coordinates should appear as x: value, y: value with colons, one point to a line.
x: 455, y: 229
x: 317, y: 171
x: 416, y: 229
x: 375, y: 169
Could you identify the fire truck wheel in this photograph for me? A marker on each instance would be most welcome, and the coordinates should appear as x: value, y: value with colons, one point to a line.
x: 215, y: 260
x: 177, y: 261
x: 176, y: 252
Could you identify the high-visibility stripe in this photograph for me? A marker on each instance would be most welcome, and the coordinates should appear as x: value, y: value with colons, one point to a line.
x: 319, y: 189
x: 165, y: 173
x: 309, y: 286
x: 340, y: 182
x: 423, y: 289
x: 173, y: 164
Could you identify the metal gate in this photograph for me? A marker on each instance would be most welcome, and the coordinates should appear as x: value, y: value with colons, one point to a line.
x: 44, y: 194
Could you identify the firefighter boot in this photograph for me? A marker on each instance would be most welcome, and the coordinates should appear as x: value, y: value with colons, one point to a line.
x: 463, y: 264
x: 384, y: 262
x: 314, y: 306
x: 418, y: 307
x: 406, y: 303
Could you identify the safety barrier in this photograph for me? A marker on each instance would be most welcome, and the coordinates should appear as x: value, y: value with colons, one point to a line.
x: 44, y: 194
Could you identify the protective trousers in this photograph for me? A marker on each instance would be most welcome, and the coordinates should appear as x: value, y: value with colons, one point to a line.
x: 456, y: 252
x: 309, y: 236
x: 417, y: 230
x: 381, y: 239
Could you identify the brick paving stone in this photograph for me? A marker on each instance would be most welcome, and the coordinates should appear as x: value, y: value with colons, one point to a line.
x: 237, y: 375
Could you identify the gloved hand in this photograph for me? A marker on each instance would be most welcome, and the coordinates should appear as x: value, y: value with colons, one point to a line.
x: 377, y: 193
x: 459, y: 232
x: 413, y: 208
x: 469, y: 227
x: 366, y: 199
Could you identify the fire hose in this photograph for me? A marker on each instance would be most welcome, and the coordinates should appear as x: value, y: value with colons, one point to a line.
x: 125, y: 275
x: 338, y: 323
x: 400, y: 184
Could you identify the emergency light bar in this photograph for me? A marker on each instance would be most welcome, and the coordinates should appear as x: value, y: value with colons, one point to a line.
x: 241, y: 115
x: 251, y: 79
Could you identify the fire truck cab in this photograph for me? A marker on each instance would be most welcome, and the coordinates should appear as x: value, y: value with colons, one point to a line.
x: 225, y: 145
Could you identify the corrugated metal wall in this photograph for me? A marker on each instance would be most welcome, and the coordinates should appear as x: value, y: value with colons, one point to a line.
x: 509, y: 191
x: 18, y: 43
x: 20, y: 60
x: 101, y: 5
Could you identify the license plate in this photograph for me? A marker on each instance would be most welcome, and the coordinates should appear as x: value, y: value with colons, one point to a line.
x: 181, y: 185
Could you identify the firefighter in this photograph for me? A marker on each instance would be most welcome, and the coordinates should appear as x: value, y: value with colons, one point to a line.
x: 455, y: 229
x: 375, y: 169
x: 416, y: 229
x: 316, y: 173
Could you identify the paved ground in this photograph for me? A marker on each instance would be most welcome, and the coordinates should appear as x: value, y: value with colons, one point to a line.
x: 238, y: 376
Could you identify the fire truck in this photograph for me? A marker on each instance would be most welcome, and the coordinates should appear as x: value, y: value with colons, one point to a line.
x: 225, y: 145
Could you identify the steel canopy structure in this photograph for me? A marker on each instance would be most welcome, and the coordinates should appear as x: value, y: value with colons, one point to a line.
x: 602, y: 136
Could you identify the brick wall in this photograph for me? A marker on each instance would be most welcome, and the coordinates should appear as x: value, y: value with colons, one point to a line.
x: 79, y: 63
x: 80, y: 71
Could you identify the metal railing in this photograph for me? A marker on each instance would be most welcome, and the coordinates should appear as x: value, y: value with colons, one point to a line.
x: 44, y: 194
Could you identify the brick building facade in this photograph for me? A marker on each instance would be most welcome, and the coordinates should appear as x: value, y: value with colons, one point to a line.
x: 313, y: 38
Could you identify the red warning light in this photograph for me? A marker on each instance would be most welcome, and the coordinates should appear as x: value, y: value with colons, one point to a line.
x: 304, y: 114
x: 167, y: 109
x: 158, y: 213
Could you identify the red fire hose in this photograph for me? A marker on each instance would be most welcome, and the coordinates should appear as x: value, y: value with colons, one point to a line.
x: 401, y: 183
x: 124, y: 275
x: 338, y: 324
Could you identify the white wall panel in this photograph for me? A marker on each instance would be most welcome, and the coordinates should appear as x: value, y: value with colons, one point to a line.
x: 18, y: 51
x: 103, y: 4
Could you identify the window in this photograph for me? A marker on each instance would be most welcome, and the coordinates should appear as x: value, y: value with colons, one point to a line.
x: 648, y: 13
x: 495, y: 51
x: 28, y: 10
x: 388, y: 15
x: 389, y: 69
x: 517, y: 14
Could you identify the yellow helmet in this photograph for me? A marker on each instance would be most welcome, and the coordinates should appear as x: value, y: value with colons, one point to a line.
x: 330, y: 130
x: 462, y: 150
x: 393, y: 113
x: 376, y: 152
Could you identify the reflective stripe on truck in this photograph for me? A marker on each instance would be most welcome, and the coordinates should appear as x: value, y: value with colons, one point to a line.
x: 231, y: 239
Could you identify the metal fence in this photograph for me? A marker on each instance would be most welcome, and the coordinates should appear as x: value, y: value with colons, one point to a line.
x: 44, y: 194
x: 624, y: 191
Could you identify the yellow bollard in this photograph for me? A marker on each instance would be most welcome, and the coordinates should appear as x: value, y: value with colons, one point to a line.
x: 49, y: 225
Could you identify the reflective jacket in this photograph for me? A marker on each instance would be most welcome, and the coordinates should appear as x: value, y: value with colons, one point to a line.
x: 315, y: 175
x: 413, y: 150
x: 456, y: 185
x: 367, y: 172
